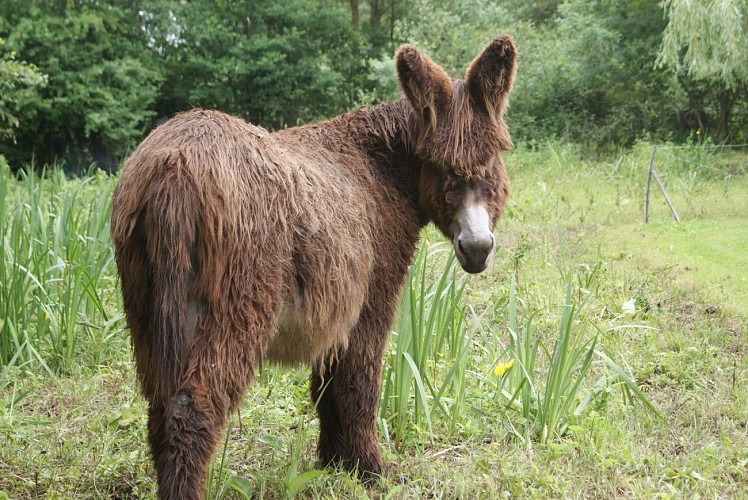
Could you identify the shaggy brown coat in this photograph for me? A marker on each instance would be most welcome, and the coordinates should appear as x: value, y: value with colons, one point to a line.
x: 236, y: 246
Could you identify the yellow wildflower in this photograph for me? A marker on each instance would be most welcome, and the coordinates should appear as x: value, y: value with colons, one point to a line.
x: 502, y: 368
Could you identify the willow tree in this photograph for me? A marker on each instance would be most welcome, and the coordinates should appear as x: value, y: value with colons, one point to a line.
x: 706, y: 42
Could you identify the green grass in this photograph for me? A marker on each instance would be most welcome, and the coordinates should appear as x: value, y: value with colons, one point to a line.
x: 425, y: 372
x: 56, y: 259
x: 709, y: 257
x: 659, y: 308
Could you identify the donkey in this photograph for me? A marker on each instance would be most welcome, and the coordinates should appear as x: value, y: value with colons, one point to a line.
x: 237, y: 246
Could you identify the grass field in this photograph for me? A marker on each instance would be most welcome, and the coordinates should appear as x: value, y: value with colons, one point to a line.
x: 532, y: 379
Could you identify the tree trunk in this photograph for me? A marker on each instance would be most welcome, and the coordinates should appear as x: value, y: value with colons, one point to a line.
x: 392, y: 20
x: 697, y: 97
x: 377, y: 9
x: 725, y: 98
x: 355, y: 18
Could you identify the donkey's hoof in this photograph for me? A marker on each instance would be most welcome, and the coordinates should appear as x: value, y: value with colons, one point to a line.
x: 370, y: 471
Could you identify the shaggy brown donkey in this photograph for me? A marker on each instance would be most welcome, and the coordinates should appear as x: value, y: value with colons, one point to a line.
x: 237, y: 246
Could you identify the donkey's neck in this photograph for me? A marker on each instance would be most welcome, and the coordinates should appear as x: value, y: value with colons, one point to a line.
x: 387, y: 140
x: 383, y: 136
x: 383, y: 130
x: 378, y: 139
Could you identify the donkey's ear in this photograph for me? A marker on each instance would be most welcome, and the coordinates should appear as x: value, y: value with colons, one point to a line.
x: 489, y: 77
x: 426, y: 85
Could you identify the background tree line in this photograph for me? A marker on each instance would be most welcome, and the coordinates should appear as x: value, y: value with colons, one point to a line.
x: 84, y: 80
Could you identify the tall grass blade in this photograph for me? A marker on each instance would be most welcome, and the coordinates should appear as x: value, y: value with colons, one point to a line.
x: 55, y: 254
x: 430, y: 331
x: 421, y: 394
x: 629, y: 383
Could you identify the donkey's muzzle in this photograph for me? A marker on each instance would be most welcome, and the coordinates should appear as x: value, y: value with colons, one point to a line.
x: 474, y: 254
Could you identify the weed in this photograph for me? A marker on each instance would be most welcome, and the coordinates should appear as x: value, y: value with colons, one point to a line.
x: 548, y: 406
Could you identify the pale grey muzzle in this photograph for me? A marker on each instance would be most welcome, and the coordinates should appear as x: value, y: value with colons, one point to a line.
x: 473, y: 240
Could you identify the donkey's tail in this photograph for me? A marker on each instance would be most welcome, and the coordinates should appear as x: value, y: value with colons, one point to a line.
x: 154, y: 229
x: 172, y: 218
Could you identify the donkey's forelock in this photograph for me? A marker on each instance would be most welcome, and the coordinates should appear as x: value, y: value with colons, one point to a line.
x: 469, y: 138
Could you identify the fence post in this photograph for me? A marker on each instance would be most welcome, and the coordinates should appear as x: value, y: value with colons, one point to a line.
x: 664, y: 193
x: 649, y: 183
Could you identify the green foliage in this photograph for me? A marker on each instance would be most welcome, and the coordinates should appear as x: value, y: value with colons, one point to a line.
x: 589, y: 76
x: 586, y: 69
x: 453, y: 33
x: 292, y: 483
x: 706, y: 40
x: 432, y: 338
x: 549, y: 406
x: 704, y: 45
x: 101, y: 86
x: 17, y: 78
x: 82, y: 433
x: 431, y: 332
x: 589, y: 72
x: 281, y: 62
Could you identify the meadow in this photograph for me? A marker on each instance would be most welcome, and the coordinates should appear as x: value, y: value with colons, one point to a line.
x: 599, y: 356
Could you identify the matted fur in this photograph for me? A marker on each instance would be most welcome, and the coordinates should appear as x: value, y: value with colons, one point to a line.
x: 236, y: 246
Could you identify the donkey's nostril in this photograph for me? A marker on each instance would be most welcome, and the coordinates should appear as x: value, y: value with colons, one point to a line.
x: 475, y: 250
x: 474, y: 254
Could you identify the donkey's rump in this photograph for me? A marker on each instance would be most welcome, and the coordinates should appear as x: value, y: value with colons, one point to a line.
x: 280, y: 230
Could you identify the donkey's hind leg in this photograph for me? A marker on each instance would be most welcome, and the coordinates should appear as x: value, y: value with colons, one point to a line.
x: 184, y: 434
x: 185, y: 430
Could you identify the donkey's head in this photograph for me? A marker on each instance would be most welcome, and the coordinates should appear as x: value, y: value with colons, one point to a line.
x: 458, y: 133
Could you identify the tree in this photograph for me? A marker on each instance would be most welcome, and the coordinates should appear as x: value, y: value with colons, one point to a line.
x: 586, y: 69
x: 380, y: 16
x: 355, y: 15
x: 538, y: 12
x: 17, y: 78
x: 273, y: 63
x: 590, y: 75
x: 101, y: 82
x: 705, y: 45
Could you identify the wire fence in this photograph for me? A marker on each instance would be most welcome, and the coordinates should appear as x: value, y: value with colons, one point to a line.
x: 684, y: 154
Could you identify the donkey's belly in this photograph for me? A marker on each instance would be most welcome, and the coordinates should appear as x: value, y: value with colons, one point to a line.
x: 301, y: 339
x: 333, y: 257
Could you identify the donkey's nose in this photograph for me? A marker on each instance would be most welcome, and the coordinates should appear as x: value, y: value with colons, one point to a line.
x: 474, y: 252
